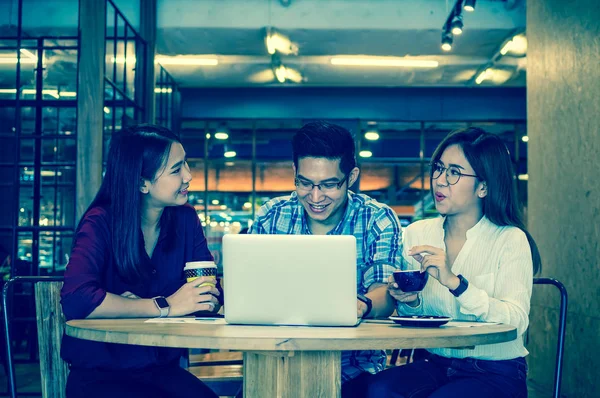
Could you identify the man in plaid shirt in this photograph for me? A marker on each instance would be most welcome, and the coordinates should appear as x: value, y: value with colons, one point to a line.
x: 322, y: 204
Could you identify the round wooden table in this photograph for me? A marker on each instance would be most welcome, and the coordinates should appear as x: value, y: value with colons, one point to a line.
x: 286, y: 361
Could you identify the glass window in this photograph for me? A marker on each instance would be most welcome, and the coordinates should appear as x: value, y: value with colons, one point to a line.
x: 60, y: 74
x: 26, y: 202
x: 7, y: 187
x: 27, y: 151
x: 9, y: 18
x: 8, y: 77
x: 27, y: 121
x: 25, y: 253
x: 57, y: 201
x: 55, y: 249
x: 64, y: 14
x: 59, y: 150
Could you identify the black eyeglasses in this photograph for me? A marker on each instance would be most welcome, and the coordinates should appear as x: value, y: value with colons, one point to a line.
x: 325, y: 187
x: 453, y: 173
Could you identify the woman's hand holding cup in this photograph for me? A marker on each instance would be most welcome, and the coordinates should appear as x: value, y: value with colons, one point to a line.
x: 200, y: 294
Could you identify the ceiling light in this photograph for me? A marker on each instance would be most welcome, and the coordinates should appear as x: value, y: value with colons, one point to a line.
x: 28, y: 54
x: 106, y: 109
x: 215, y: 202
x: 365, y: 153
x: 186, y: 60
x: 230, y: 154
x: 486, y: 74
x: 277, y: 42
x: 163, y: 90
x: 519, y: 45
x: 383, y: 62
x: 284, y: 73
x: 121, y: 60
x: 525, y: 138
x: 52, y: 93
x: 372, y: 135
x: 457, y: 26
x: 469, y: 5
x: 523, y: 177
x: 15, y: 60
x: 280, y: 73
x: 221, y: 132
x: 67, y: 94
x: 293, y: 75
x: 447, y: 41
x: 506, y: 48
x: 247, y: 205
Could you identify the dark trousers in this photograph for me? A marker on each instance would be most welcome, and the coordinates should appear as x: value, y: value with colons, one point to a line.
x: 154, y: 382
x: 357, y: 387
x: 441, y: 377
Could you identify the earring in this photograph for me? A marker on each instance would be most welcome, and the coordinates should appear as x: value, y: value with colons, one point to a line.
x: 480, y: 195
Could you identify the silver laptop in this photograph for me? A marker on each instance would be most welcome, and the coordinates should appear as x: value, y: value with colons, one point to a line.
x: 290, y: 280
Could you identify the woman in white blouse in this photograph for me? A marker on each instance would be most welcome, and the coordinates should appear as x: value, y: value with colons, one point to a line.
x: 481, y: 261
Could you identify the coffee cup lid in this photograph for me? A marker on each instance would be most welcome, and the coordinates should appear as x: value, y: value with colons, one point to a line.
x: 200, y: 264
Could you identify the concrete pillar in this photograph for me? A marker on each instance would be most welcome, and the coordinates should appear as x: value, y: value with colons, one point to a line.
x: 90, y: 104
x: 148, y: 32
x: 563, y: 104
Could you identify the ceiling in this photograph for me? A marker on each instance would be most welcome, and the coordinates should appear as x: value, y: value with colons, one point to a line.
x: 233, y: 32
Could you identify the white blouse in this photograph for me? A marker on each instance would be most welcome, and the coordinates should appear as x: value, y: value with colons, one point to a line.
x: 497, y: 263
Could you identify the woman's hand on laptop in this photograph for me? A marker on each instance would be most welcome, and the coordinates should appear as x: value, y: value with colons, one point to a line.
x: 409, y: 298
x: 191, y: 297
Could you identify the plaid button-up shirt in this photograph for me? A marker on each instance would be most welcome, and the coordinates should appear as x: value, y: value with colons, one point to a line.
x: 378, y: 247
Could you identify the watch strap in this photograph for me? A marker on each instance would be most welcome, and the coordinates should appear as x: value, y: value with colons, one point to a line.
x: 368, y: 303
x: 162, y: 305
x: 464, y: 284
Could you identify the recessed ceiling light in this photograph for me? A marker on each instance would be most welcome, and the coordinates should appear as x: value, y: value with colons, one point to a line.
x: 384, y: 62
x: 186, y: 60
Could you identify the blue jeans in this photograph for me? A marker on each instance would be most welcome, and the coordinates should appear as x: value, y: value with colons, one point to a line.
x: 441, y: 377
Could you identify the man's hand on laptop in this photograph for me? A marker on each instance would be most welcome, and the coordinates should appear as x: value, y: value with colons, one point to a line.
x: 361, y: 308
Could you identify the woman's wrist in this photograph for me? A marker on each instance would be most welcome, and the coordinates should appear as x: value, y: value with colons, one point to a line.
x: 452, y: 282
x: 414, y: 304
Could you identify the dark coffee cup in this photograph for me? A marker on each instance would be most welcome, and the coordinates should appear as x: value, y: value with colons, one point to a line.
x: 411, y: 281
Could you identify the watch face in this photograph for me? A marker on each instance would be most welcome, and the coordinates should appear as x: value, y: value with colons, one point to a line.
x: 161, y: 302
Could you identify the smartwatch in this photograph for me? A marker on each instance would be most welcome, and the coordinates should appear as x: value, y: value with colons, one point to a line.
x: 464, y: 284
x: 367, y: 301
x: 163, y: 306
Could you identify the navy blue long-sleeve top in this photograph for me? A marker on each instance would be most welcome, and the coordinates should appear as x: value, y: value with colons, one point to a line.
x: 92, y: 272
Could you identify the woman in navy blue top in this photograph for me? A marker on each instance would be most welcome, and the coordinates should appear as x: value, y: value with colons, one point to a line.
x: 127, y: 261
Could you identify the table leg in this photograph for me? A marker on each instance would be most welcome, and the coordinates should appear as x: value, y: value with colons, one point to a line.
x: 299, y: 374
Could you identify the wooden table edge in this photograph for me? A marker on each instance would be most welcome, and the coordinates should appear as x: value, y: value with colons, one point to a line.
x: 157, y: 339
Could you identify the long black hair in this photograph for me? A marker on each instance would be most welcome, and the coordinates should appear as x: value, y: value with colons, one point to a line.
x: 490, y: 159
x: 137, y: 153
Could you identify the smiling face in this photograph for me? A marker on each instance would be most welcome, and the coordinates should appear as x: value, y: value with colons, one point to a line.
x: 325, y: 204
x: 465, y: 196
x: 169, y: 186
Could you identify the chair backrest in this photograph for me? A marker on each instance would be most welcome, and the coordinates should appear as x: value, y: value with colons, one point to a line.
x: 51, y: 326
x: 562, y: 323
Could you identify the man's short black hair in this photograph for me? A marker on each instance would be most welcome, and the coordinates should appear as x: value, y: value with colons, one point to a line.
x: 325, y: 140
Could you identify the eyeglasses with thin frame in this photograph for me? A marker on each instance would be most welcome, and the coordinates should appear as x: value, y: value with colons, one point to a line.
x: 325, y: 187
x: 453, y: 173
